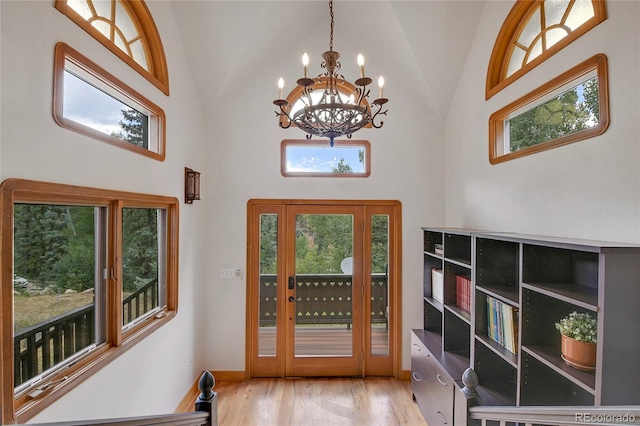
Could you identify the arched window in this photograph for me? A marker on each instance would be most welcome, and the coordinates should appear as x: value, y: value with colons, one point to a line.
x: 127, y: 29
x: 535, y: 30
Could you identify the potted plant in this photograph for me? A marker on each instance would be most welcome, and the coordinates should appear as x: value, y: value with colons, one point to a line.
x: 579, y: 335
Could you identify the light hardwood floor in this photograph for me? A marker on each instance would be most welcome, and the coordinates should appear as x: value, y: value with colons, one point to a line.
x: 317, y: 402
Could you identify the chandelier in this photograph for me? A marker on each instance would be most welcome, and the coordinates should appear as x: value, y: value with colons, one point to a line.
x: 331, y: 113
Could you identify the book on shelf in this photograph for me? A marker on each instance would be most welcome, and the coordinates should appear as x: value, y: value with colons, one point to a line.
x: 437, y: 284
x: 502, y: 324
x: 463, y: 292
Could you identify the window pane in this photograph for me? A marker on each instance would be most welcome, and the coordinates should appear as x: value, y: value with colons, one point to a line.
x: 138, y: 54
x: 103, y: 8
x: 380, y: 285
x: 103, y: 27
x: 516, y: 61
x: 90, y: 106
x: 56, y: 285
x: 268, y: 284
x: 143, y: 254
x: 124, y: 23
x: 81, y: 7
x: 531, y: 29
x: 554, y: 35
x: 553, y: 11
x: 346, y: 158
x: 581, y: 12
x: 569, y: 112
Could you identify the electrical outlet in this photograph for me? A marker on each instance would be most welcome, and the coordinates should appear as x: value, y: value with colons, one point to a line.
x: 237, y: 274
x: 227, y: 273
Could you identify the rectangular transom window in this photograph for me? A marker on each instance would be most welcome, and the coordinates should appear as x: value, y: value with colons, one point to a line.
x: 86, y: 273
x: 315, y: 158
x: 572, y: 107
x: 89, y: 100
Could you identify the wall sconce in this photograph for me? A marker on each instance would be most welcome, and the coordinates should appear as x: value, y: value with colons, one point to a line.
x: 191, y: 185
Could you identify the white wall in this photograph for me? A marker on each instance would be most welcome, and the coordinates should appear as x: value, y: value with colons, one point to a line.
x: 244, y: 154
x: 153, y: 376
x: 588, y: 189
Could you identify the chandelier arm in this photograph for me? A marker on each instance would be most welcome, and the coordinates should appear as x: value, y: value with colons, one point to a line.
x: 378, y: 112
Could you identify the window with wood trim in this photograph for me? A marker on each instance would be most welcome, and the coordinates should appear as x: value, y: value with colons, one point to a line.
x: 572, y: 107
x: 316, y: 158
x: 127, y: 29
x: 535, y: 30
x: 86, y: 274
x: 89, y: 100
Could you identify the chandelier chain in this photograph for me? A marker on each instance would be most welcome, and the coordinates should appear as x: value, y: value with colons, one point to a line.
x: 331, y: 32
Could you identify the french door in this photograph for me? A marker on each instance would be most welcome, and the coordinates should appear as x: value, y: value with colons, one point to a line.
x: 322, y: 288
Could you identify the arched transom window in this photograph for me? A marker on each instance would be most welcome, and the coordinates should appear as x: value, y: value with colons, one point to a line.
x: 127, y: 29
x: 535, y: 30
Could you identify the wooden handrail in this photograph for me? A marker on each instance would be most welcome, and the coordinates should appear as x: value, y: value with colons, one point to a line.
x: 206, y: 413
x: 197, y: 418
x: 547, y: 415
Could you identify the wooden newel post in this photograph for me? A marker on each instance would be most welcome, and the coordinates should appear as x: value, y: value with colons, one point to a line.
x: 471, y: 382
x: 466, y: 398
x: 208, y: 399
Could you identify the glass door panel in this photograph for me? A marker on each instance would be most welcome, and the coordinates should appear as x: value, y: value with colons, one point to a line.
x: 380, y: 285
x: 267, y: 293
x: 324, y: 285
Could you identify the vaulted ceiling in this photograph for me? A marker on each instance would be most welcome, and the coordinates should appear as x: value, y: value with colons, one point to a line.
x: 419, y: 46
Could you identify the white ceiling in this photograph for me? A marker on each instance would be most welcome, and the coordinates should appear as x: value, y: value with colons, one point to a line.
x: 420, y: 47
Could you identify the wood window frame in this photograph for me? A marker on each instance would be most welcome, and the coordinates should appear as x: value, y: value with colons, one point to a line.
x: 140, y: 15
x: 117, y: 89
x: 511, y: 30
x: 366, y: 145
x: 13, y: 191
x: 497, y: 119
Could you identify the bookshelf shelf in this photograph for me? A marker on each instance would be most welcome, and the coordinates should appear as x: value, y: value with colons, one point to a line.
x: 543, y: 279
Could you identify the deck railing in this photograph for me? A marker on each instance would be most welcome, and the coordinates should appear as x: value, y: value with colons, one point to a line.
x: 323, y: 299
x: 38, y: 348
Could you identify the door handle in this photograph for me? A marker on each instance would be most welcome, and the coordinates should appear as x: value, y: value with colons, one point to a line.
x: 292, y: 283
x: 292, y: 299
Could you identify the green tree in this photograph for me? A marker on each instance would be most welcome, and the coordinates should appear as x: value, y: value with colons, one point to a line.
x: 268, y: 244
x: 565, y: 114
x: 342, y: 167
x: 139, y: 247
x: 133, y: 125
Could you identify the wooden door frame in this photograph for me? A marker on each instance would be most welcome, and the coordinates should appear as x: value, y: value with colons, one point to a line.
x: 274, y: 366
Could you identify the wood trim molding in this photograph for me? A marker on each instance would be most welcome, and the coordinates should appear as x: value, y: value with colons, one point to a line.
x: 365, y: 144
x: 13, y: 190
x: 509, y: 33
x: 275, y: 366
x: 158, y: 73
x: 64, y: 52
x: 497, y: 119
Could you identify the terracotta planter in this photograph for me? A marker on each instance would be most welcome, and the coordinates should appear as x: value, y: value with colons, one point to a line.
x: 580, y: 355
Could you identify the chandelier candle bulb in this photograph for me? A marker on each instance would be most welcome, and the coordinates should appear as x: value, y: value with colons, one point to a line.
x: 361, y: 63
x: 305, y: 63
x: 381, y: 85
x: 280, y: 87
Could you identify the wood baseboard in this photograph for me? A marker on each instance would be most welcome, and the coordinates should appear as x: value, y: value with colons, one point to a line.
x: 405, y: 375
x: 232, y: 376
